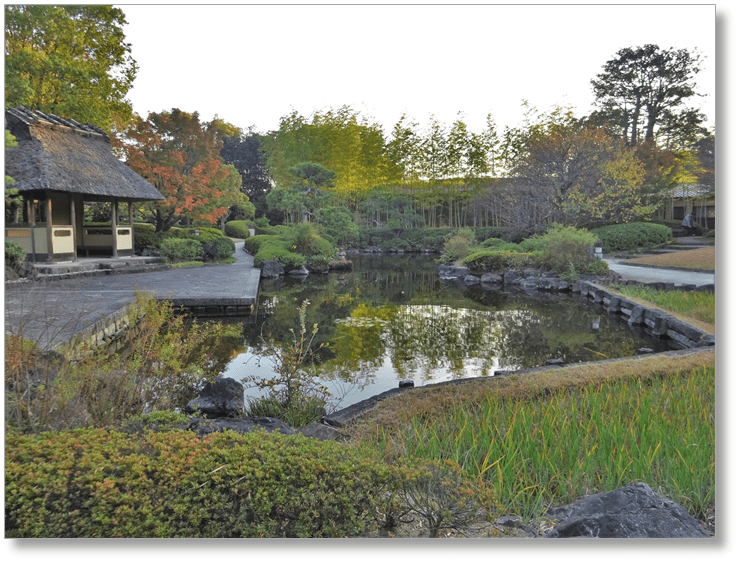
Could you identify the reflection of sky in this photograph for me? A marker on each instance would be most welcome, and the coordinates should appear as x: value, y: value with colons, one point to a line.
x: 423, y: 366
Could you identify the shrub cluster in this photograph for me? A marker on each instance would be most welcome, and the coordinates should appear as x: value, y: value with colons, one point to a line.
x: 14, y: 255
x: 98, y: 483
x: 631, y: 236
x: 494, y: 260
x: 237, y: 229
x: 291, y: 247
x: 225, y: 248
x: 175, y: 250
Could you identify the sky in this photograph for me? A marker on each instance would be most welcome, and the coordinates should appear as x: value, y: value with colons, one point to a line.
x: 252, y: 65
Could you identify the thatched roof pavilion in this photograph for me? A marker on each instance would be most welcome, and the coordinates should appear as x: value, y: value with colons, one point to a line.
x: 59, y: 166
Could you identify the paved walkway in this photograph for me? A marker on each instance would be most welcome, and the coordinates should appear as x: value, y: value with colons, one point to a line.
x: 655, y: 274
x: 51, y: 312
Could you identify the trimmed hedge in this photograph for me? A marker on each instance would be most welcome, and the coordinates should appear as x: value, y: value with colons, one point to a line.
x: 631, y: 236
x: 266, y: 247
x: 483, y: 261
x: 237, y: 229
x: 175, y: 250
x: 225, y: 248
x: 173, y: 484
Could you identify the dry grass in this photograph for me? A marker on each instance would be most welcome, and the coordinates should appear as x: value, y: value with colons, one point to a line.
x: 435, y: 401
x: 702, y: 258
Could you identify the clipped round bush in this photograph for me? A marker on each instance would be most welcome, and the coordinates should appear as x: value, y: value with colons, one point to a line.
x: 566, y: 247
x: 14, y: 255
x: 175, y: 250
x: 225, y: 248
x: 631, y: 236
x: 483, y: 261
x: 205, y: 235
x: 237, y: 229
x: 174, y: 484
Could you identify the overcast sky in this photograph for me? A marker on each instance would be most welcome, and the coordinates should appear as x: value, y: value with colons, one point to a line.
x: 251, y: 65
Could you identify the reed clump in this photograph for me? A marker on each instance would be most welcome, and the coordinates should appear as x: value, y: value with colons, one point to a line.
x: 565, y: 439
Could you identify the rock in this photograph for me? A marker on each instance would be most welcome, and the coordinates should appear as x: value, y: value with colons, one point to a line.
x: 203, y: 426
x: 555, y: 362
x: 222, y: 398
x: 491, y: 279
x: 271, y: 269
x: 406, y: 384
x: 453, y: 271
x: 634, y: 511
x: 299, y: 272
x: 320, y: 431
x: 511, y: 278
x: 471, y: 280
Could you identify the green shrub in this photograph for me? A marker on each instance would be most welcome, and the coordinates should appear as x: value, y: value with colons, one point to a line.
x: 565, y: 246
x: 205, y: 235
x: 237, y: 229
x: 304, y: 239
x: 483, y: 261
x: 500, y: 244
x: 174, y: 484
x: 631, y: 236
x: 144, y: 235
x: 457, y: 244
x: 225, y: 248
x: 175, y: 250
x: 596, y: 267
x: 710, y: 234
x: 273, y: 247
x: 14, y: 255
x: 338, y: 225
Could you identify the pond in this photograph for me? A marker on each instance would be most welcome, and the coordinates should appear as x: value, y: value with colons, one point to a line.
x: 392, y: 319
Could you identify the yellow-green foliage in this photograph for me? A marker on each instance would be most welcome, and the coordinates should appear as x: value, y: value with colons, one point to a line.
x: 98, y: 483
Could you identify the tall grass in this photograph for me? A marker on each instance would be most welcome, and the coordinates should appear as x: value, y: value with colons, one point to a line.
x: 694, y: 304
x: 553, y: 448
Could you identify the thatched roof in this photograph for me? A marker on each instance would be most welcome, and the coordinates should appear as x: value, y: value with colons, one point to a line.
x: 63, y: 155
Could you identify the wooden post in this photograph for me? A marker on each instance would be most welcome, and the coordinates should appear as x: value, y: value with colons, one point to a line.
x: 130, y: 223
x: 114, y: 220
x: 49, y: 237
x: 73, y: 218
x: 32, y: 222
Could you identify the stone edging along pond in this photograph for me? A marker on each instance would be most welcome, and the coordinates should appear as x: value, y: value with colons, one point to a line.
x: 684, y: 337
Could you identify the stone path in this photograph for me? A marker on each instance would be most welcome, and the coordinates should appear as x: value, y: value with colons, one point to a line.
x: 655, y: 274
x: 51, y: 312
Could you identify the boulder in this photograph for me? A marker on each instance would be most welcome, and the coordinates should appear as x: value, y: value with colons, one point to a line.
x: 222, y: 398
x: 634, y: 511
x: 471, y: 280
x: 453, y: 271
x: 271, y: 269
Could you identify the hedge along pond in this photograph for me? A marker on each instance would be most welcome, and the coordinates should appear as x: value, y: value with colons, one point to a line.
x: 393, y: 319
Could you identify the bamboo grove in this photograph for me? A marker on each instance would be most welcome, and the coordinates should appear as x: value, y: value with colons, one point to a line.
x: 553, y: 167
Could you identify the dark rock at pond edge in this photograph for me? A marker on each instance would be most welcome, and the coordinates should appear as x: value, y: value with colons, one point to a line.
x: 299, y: 271
x: 453, y: 271
x: 320, y: 431
x: 203, y: 426
x: 271, y: 269
x: 491, y: 279
x: 634, y: 511
x: 222, y: 398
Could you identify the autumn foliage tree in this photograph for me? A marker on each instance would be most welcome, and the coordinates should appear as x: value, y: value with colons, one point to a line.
x: 180, y: 156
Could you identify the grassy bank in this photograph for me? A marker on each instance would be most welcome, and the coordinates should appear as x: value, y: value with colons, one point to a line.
x: 548, y: 438
x: 697, y: 308
x: 701, y: 258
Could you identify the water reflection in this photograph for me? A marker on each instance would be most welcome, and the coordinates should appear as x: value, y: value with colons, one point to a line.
x: 393, y: 319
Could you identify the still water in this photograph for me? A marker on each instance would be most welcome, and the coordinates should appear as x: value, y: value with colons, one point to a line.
x: 393, y: 319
